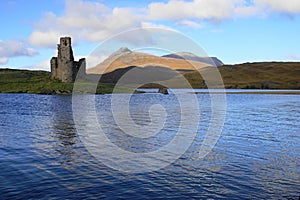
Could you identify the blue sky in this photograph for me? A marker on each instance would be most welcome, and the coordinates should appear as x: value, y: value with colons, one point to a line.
x: 235, y: 31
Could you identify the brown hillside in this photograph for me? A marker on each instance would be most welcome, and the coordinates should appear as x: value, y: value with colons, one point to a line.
x: 260, y: 75
x: 142, y: 59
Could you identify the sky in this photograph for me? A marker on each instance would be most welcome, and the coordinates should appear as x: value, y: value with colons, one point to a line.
x: 235, y: 31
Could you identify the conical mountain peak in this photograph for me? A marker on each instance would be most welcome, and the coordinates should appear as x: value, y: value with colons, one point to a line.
x: 123, y: 50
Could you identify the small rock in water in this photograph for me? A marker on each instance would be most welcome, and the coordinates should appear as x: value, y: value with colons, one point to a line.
x: 163, y: 91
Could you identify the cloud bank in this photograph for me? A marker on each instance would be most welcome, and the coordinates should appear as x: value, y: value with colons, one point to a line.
x: 10, y: 48
x: 93, y: 21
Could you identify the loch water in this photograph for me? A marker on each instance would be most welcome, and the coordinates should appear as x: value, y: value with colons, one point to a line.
x: 256, y: 157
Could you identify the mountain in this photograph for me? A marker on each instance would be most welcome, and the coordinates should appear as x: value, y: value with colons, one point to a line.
x: 260, y: 75
x: 137, y: 75
x: 121, y: 51
x: 190, y: 56
x: 124, y: 58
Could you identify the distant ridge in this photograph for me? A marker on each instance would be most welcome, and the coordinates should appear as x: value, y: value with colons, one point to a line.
x: 190, y: 56
x: 121, y: 51
x: 124, y: 58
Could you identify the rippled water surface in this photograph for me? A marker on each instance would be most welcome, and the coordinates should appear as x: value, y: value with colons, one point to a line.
x: 257, y: 155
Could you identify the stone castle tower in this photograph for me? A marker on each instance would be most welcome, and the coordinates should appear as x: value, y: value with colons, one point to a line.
x: 63, y: 67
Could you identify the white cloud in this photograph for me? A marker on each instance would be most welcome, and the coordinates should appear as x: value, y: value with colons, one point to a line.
x: 197, y: 9
x: 11, y: 48
x: 191, y: 24
x: 284, y: 6
x: 265, y: 7
x: 94, y: 22
x: 3, y: 60
x: 46, y: 38
x: 43, y: 65
x: 154, y: 25
x: 84, y: 20
x: 248, y: 11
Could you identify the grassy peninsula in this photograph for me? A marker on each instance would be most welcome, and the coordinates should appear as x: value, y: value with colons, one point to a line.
x: 37, y: 82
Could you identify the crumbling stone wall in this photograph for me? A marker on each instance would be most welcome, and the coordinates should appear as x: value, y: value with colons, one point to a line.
x: 63, y: 67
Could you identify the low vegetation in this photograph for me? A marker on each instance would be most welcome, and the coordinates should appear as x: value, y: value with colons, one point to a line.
x: 37, y: 82
x: 264, y: 75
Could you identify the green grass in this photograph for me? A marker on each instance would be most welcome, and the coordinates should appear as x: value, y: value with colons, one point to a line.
x: 37, y: 82
x: 264, y: 75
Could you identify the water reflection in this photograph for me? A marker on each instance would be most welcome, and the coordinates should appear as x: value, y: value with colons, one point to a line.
x: 54, y: 134
x: 63, y: 130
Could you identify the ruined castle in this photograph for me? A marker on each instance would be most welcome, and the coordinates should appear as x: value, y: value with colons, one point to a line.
x: 63, y: 67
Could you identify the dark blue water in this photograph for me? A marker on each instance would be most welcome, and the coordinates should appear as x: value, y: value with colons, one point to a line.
x: 257, y: 155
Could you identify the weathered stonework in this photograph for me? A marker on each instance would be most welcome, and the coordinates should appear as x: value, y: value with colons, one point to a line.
x: 63, y: 67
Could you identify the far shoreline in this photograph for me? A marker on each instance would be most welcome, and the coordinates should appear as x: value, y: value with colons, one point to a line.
x: 258, y: 92
x: 239, y: 91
